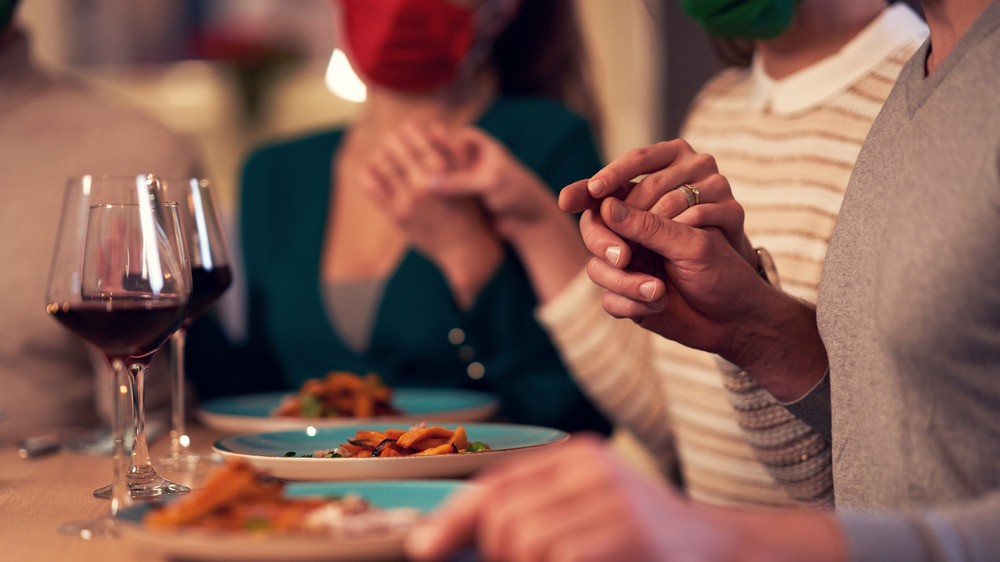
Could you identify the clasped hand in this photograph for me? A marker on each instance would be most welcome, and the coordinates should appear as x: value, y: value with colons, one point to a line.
x: 683, y: 271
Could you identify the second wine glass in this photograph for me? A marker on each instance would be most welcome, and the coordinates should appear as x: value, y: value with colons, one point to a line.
x: 211, y: 275
x: 117, y: 281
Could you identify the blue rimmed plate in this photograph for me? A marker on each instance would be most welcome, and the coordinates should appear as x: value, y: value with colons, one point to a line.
x: 252, y: 412
x: 267, y: 452
x: 198, y: 544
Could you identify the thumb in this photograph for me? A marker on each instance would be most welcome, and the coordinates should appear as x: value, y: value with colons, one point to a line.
x: 450, y: 529
x: 660, y: 235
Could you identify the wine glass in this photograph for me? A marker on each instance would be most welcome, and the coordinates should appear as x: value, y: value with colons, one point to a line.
x: 211, y: 276
x: 118, y: 282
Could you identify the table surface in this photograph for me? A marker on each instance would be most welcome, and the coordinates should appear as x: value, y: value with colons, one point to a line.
x: 38, y: 495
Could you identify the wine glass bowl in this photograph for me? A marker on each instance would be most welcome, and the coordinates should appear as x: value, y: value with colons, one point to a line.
x: 117, y: 280
x: 121, y: 308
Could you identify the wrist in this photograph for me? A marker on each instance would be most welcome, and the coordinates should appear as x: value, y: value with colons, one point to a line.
x: 785, y: 536
x: 783, y: 351
x: 552, y: 252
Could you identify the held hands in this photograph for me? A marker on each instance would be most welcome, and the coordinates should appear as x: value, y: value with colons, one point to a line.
x: 680, y: 270
x: 514, y: 196
x: 453, y: 232
x: 684, y: 271
x: 425, y: 175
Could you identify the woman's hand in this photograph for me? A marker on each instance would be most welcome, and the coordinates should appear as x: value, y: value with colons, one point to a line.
x: 453, y: 232
x: 523, y: 209
x: 665, y: 167
x: 515, y: 197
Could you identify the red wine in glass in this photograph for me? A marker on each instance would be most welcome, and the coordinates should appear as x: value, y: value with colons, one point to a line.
x: 123, y: 327
x: 207, y: 285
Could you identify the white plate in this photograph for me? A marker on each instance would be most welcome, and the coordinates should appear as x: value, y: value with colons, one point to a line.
x: 252, y: 412
x: 258, y: 547
x: 266, y: 452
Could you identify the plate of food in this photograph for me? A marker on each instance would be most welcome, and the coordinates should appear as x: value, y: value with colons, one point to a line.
x: 239, y: 514
x: 343, y: 398
x: 373, y: 451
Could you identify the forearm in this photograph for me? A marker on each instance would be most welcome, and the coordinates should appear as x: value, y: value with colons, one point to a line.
x: 551, y: 250
x: 783, y: 536
x: 612, y: 361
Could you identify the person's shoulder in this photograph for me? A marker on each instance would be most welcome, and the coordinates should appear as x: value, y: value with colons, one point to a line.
x: 117, y: 134
x: 727, y: 80
x: 303, y: 145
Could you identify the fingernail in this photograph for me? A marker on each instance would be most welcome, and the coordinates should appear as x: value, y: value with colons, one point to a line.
x: 596, y: 187
x: 613, y: 253
x: 618, y: 210
x: 648, y: 290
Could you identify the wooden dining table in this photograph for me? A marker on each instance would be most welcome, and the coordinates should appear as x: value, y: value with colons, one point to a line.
x: 38, y: 495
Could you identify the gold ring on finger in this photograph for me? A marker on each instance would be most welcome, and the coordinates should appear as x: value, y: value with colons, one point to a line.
x: 696, y: 192
x: 688, y: 193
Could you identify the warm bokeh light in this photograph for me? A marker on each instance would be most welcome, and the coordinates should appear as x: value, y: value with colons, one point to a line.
x: 341, y: 79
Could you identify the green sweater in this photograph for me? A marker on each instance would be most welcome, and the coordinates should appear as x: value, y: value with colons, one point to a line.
x: 285, y: 202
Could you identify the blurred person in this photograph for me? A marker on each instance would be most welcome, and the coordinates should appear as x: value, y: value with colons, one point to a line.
x: 349, y: 270
x: 53, y: 126
x: 785, y: 127
x: 896, y: 364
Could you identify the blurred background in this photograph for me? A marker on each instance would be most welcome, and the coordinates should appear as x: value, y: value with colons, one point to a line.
x: 231, y: 73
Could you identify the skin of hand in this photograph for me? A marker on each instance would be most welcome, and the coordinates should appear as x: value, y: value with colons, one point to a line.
x: 688, y: 279
x: 453, y: 232
x: 665, y: 166
x: 582, y: 503
x: 512, y: 193
x: 523, y: 209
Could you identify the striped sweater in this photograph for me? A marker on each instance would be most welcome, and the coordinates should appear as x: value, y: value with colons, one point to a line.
x: 787, y: 148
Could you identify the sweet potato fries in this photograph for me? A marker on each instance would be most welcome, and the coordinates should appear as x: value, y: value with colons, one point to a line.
x: 236, y: 499
x: 416, y: 441
x: 340, y: 394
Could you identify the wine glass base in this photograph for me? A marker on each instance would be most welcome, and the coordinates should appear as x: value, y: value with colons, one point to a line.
x: 179, y: 461
x: 148, y: 489
x: 97, y: 528
x: 191, y: 470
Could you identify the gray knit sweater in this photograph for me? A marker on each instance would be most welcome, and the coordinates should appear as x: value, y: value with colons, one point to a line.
x: 909, y: 310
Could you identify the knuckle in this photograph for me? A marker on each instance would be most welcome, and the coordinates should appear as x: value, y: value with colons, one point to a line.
x: 639, y: 154
x: 706, y: 162
x: 681, y: 145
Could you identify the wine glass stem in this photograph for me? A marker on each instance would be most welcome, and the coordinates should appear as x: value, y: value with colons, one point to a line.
x: 120, y: 408
x: 178, y: 429
x: 142, y: 468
